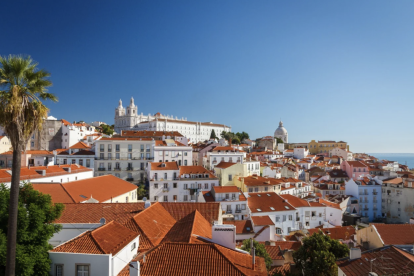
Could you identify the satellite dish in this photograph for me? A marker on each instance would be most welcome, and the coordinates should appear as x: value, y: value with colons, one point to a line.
x: 102, y: 221
x: 144, y: 199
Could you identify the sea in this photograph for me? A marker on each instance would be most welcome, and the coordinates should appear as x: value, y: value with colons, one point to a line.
x: 401, y: 158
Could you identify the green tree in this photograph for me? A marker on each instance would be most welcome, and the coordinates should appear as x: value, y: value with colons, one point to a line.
x: 318, y: 254
x: 236, y: 140
x: 22, y: 87
x: 260, y: 251
x: 279, y: 141
x: 108, y: 130
x: 36, y: 214
x: 213, y: 135
x: 242, y: 136
x: 141, y: 191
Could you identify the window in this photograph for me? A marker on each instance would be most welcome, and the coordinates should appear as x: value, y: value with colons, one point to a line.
x: 185, y: 197
x: 174, y: 185
x: 59, y: 270
x: 313, y: 214
x: 148, y: 148
x: 109, y: 156
x: 165, y: 198
x: 82, y: 270
x: 129, y: 148
x: 117, y: 147
x: 155, y: 185
x: 277, y: 218
x: 117, y: 156
x: 165, y: 185
x: 206, y: 186
x: 165, y: 175
x: 117, y: 175
x: 199, y: 185
x: 102, y: 147
x: 290, y: 217
x: 284, y: 217
x: 230, y: 177
x: 185, y: 186
x: 101, y: 156
x: 155, y: 198
x: 278, y: 231
x: 129, y: 156
x: 250, y: 190
x: 109, y: 166
x: 142, y: 148
x: 256, y: 190
x: 185, y: 162
x: 109, y: 147
x: 73, y: 161
x: 175, y: 198
x: 185, y: 153
x: 265, y: 189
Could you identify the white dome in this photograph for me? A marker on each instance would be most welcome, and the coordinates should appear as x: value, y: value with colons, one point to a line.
x: 281, y: 130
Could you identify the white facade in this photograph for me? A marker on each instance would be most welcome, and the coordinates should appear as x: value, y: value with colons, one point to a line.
x: 171, y: 185
x: 128, y: 119
x: 74, y: 133
x: 169, y: 150
x: 126, y: 158
x: 232, y: 202
x: 281, y: 133
x: 214, y: 158
x: 300, y: 153
x: 346, y: 155
x: 253, y: 167
x: 272, y: 172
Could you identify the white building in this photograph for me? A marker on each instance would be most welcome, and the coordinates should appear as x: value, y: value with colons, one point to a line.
x: 73, y: 133
x: 232, y: 201
x: 93, y: 253
x: 300, y: 152
x: 170, y: 150
x: 223, y: 154
x: 345, y: 154
x: 123, y: 157
x: 170, y: 183
x: 80, y: 154
x: 128, y: 119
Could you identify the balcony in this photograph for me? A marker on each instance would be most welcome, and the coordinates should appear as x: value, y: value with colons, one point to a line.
x: 117, y: 169
x: 130, y: 179
x: 130, y: 168
x: 124, y: 158
x: 375, y: 209
x: 238, y: 211
x: 366, y: 209
x: 101, y: 169
x: 375, y: 201
x: 165, y: 190
x: 374, y: 193
x: 297, y: 219
x: 229, y: 212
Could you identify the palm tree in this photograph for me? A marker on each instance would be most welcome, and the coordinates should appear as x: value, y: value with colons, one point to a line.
x: 22, y: 87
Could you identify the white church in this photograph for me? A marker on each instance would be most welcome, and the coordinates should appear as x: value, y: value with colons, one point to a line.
x: 129, y: 119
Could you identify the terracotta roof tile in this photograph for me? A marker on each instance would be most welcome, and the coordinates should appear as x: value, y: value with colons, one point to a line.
x: 224, y: 165
x: 262, y: 220
x: 80, y: 145
x: 146, y: 133
x: 242, y: 226
x: 295, y: 201
x: 225, y: 189
x: 164, y: 166
x: 107, y: 239
x: 178, y: 210
x: 388, y: 260
x: 396, y: 234
x: 274, y: 252
x: 267, y: 202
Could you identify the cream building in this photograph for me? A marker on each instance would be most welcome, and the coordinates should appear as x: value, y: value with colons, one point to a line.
x: 5, y: 144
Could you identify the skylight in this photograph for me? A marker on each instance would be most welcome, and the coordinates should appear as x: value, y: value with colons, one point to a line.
x: 268, y: 195
x: 271, y: 208
x: 259, y: 210
x: 248, y: 228
x: 287, y: 207
x: 258, y: 195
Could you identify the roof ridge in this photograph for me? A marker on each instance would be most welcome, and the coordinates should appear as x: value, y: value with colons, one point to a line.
x: 192, y: 224
x: 215, y: 246
x: 142, y: 231
x: 94, y: 239
x: 74, y: 201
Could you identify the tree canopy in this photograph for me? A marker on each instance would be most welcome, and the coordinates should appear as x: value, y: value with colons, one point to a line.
x: 260, y: 251
x: 318, y: 254
x: 106, y: 129
x: 36, y: 214
x: 230, y: 136
x: 279, y: 141
x: 213, y: 134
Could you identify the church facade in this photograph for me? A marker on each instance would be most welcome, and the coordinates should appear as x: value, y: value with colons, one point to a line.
x: 281, y: 133
x: 129, y: 119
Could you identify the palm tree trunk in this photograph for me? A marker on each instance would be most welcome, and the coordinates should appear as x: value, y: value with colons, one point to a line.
x: 13, y: 207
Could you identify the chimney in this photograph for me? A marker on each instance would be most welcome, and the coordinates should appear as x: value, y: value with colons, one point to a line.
x: 354, y: 253
x: 134, y: 268
x: 224, y: 235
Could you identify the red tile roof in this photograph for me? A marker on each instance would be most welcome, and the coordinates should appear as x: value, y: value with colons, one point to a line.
x: 356, y: 164
x: 262, y: 220
x: 101, y: 188
x: 225, y: 189
x: 295, y: 201
x: 195, y: 170
x: 337, y: 233
x: 289, y: 245
x: 396, y: 234
x: 199, y: 259
x: 242, y: 226
x: 146, y: 133
x: 225, y: 149
x: 164, y: 166
x: 80, y: 145
x: 178, y: 210
x: 224, y: 165
x: 32, y: 152
x: 389, y: 260
x: 274, y: 252
x: 185, y: 229
x: 267, y: 202
x: 107, y: 239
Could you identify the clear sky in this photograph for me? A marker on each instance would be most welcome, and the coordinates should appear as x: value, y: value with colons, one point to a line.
x: 337, y: 70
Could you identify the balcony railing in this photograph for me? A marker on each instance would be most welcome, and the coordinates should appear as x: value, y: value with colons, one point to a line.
x: 366, y: 209
x: 130, y: 168
x: 130, y: 179
x: 374, y: 193
x: 238, y: 210
x: 165, y: 190
x: 124, y: 158
x: 117, y: 169
x: 229, y: 212
x: 101, y: 169
x: 375, y: 201
x: 375, y: 208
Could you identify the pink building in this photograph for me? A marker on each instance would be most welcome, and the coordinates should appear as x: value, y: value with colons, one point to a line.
x: 355, y: 169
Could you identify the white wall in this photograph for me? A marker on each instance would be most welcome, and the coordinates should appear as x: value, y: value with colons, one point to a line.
x: 71, y: 230
x: 124, y: 256
x: 100, y: 264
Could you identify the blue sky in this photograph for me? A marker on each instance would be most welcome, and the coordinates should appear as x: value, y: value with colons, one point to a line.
x: 340, y: 70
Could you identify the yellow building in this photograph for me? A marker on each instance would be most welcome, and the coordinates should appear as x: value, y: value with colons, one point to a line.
x: 228, y: 171
x: 325, y: 146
